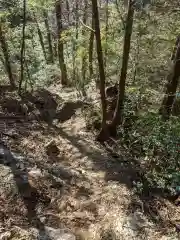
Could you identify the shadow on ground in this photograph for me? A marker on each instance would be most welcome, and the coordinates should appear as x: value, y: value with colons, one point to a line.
x: 121, y: 169
x: 29, y: 194
x: 30, y: 111
x: 125, y: 171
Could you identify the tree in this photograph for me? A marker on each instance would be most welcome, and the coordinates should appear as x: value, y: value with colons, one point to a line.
x: 91, y: 43
x: 60, y: 43
x: 68, y: 11
x: 172, y: 84
x: 103, y: 133
x: 84, y: 64
x: 40, y: 38
x: 49, y: 37
x: 76, y: 11
x: 6, y: 60
x: 117, y: 119
x: 22, y: 47
x: 106, y: 32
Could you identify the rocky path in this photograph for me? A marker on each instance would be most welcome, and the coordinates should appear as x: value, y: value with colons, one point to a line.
x: 81, y: 188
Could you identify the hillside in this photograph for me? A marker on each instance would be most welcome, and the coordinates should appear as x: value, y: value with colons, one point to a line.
x: 89, y: 120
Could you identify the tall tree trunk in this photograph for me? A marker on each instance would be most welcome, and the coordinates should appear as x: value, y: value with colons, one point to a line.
x: 120, y: 14
x: 76, y: 39
x: 40, y: 38
x: 103, y: 134
x: 22, y: 48
x: 2, y: 60
x: 117, y: 119
x: 172, y: 84
x: 106, y: 34
x: 84, y: 63
x: 91, y: 43
x: 68, y: 11
x: 49, y: 37
x: 60, y: 43
x: 6, y: 59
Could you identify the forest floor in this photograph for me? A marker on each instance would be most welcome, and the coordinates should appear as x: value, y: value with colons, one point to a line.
x: 81, y: 187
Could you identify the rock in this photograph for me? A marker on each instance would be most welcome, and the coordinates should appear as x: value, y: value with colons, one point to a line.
x: 17, y: 233
x: 5, y: 236
x: 177, y: 226
x: 177, y: 201
x: 14, y: 106
x: 8, y: 185
x: 45, y: 102
x: 5, y: 156
x: 89, y: 206
x: 61, y: 172
x: 80, y: 215
x: 67, y: 110
x: 137, y: 221
x: 53, y: 234
x: 35, y: 173
x: 51, y: 148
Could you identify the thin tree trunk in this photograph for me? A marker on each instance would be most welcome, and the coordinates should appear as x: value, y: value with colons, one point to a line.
x: 76, y: 40
x: 5, y: 52
x: 2, y: 60
x: 60, y: 43
x: 40, y: 38
x: 106, y: 34
x: 175, y: 48
x: 117, y: 119
x: 49, y: 37
x: 136, y: 58
x: 103, y: 134
x: 172, y: 84
x: 68, y: 11
x: 83, y: 69
x: 22, y: 48
x: 118, y: 10
x: 91, y: 43
x: 55, y: 47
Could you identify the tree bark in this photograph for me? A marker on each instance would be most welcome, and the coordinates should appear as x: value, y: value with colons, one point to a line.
x: 76, y: 39
x: 2, y: 60
x: 173, y: 79
x: 106, y: 33
x: 40, y: 38
x: 84, y: 57
x: 5, y: 52
x: 60, y: 43
x: 117, y: 119
x: 68, y: 11
x: 49, y: 37
x: 22, y: 48
x: 104, y: 132
x: 91, y: 43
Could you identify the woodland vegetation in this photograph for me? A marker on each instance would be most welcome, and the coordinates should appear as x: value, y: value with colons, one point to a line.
x: 121, y: 58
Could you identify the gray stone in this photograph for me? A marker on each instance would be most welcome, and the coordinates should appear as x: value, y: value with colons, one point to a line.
x: 61, y: 172
x: 5, y: 235
x: 50, y: 233
x: 7, y: 183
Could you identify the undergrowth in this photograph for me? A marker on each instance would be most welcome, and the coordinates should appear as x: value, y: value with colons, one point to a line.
x: 153, y: 143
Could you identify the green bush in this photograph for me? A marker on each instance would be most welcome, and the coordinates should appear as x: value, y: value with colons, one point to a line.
x: 160, y: 148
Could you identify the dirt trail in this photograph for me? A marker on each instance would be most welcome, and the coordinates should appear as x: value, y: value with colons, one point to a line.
x: 92, y: 202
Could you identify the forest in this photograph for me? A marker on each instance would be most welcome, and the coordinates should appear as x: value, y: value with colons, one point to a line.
x: 89, y: 119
